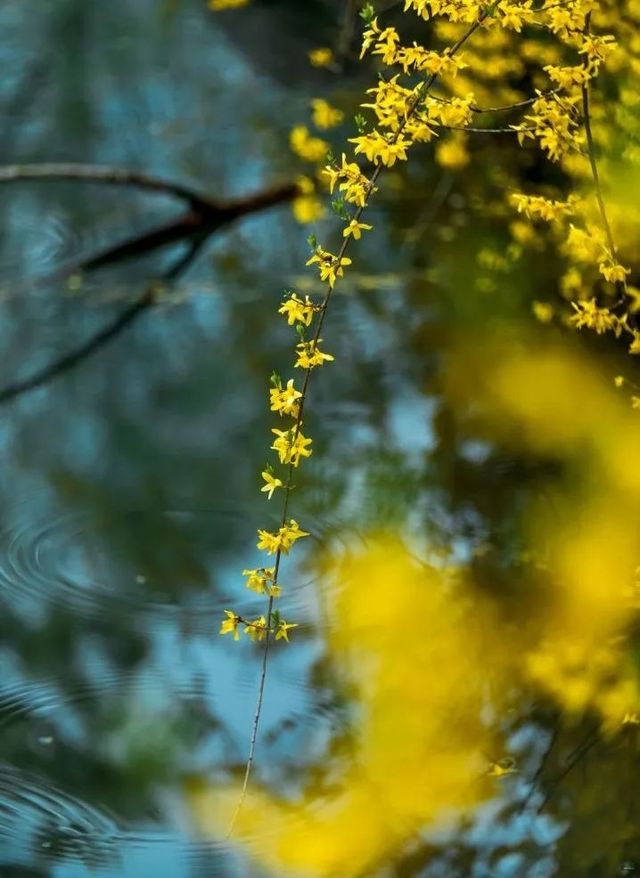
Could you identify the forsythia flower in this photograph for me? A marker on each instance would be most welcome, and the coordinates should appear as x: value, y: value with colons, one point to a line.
x: 543, y: 311
x: 283, y: 628
x: 379, y: 150
x: 329, y: 266
x: 230, y: 625
x: 290, y: 450
x: 285, y: 400
x: 307, y: 207
x: 256, y: 630
x: 310, y: 356
x: 258, y: 580
x: 452, y: 153
x: 613, y: 272
x: 355, y: 185
x: 271, y: 484
x: 282, y: 540
x: 600, y: 319
x: 356, y: 228
x: 295, y: 309
x: 290, y: 533
x: 311, y: 149
x: 322, y: 57
x: 324, y: 115
x: 502, y: 768
x: 218, y: 5
x: 537, y: 207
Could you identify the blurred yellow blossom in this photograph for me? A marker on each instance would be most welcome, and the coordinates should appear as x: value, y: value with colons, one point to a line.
x: 322, y: 57
x: 324, y: 115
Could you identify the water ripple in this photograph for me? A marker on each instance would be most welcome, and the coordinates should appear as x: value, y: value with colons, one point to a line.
x: 66, y: 561
x: 38, y: 818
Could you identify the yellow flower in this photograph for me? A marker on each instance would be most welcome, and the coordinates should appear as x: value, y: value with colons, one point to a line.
x: 281, y: 541
x: 285, y: 400
x: 258, y: 580
x: 290, y: 533
x: 322, y: 57
x: 355, y: 185
x: 283, y: 628
x: 230, y: 625
x: 380, y: 150
x: 596, y: 318
x: 452, y: 153
x: 271, y: 484
x: 311, y: 149
x: 502, y: 768
x: 295, y: 309
x: 543, y: 311
x: 324, y: 115
x: 269, y: 542
x: 613, y: 272
x: 256, y: 630
x: 355, y: 228
x: 618, y: 380
x: 290, y: 450
x: 329, y: 266
x: 310, y: 356
x: 218, y: 5
x: 307, y: 209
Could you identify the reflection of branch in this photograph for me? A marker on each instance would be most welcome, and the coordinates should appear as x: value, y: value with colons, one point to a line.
x: 540, y: 769
x: 99, y: 339
x: 96, y: 174
x: 68, y: 361
x: 195, y: 227
x: 204, y: 219
x: 579, y: 753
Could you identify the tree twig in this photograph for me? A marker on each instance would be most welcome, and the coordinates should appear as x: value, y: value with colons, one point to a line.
x: 419, y: 95
x: 97, y: 341
x: 195, y: 227
x: 620, y: 285
x: 205, y: 217
x: 105, y: 174
x: 579, y: 753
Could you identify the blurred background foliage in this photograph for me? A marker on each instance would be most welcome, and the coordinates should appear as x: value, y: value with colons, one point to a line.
x: 460, y: 414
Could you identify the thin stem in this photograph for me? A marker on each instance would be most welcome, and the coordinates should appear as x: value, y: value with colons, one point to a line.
x: 418, y: 96
x: 502, y: 109
x: 579, y: 753
x: 541, y: 767
x: 480, y: 130
x: 621, y: 286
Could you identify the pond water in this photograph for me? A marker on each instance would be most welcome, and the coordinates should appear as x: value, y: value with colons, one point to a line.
x: 130, y: 483
x: 130, y: 486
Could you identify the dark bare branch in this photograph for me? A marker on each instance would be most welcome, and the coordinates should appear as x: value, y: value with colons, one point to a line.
x: 54, y: 171
x: 195, y: 227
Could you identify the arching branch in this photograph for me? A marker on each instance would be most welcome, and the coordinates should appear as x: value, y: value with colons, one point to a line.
x: 105, y: 174
x: 194, y: 227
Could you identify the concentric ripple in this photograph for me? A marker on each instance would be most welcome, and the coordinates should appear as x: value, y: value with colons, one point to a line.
x: 40, y: 821
x: 38, y: 240
x: 70, y: 562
